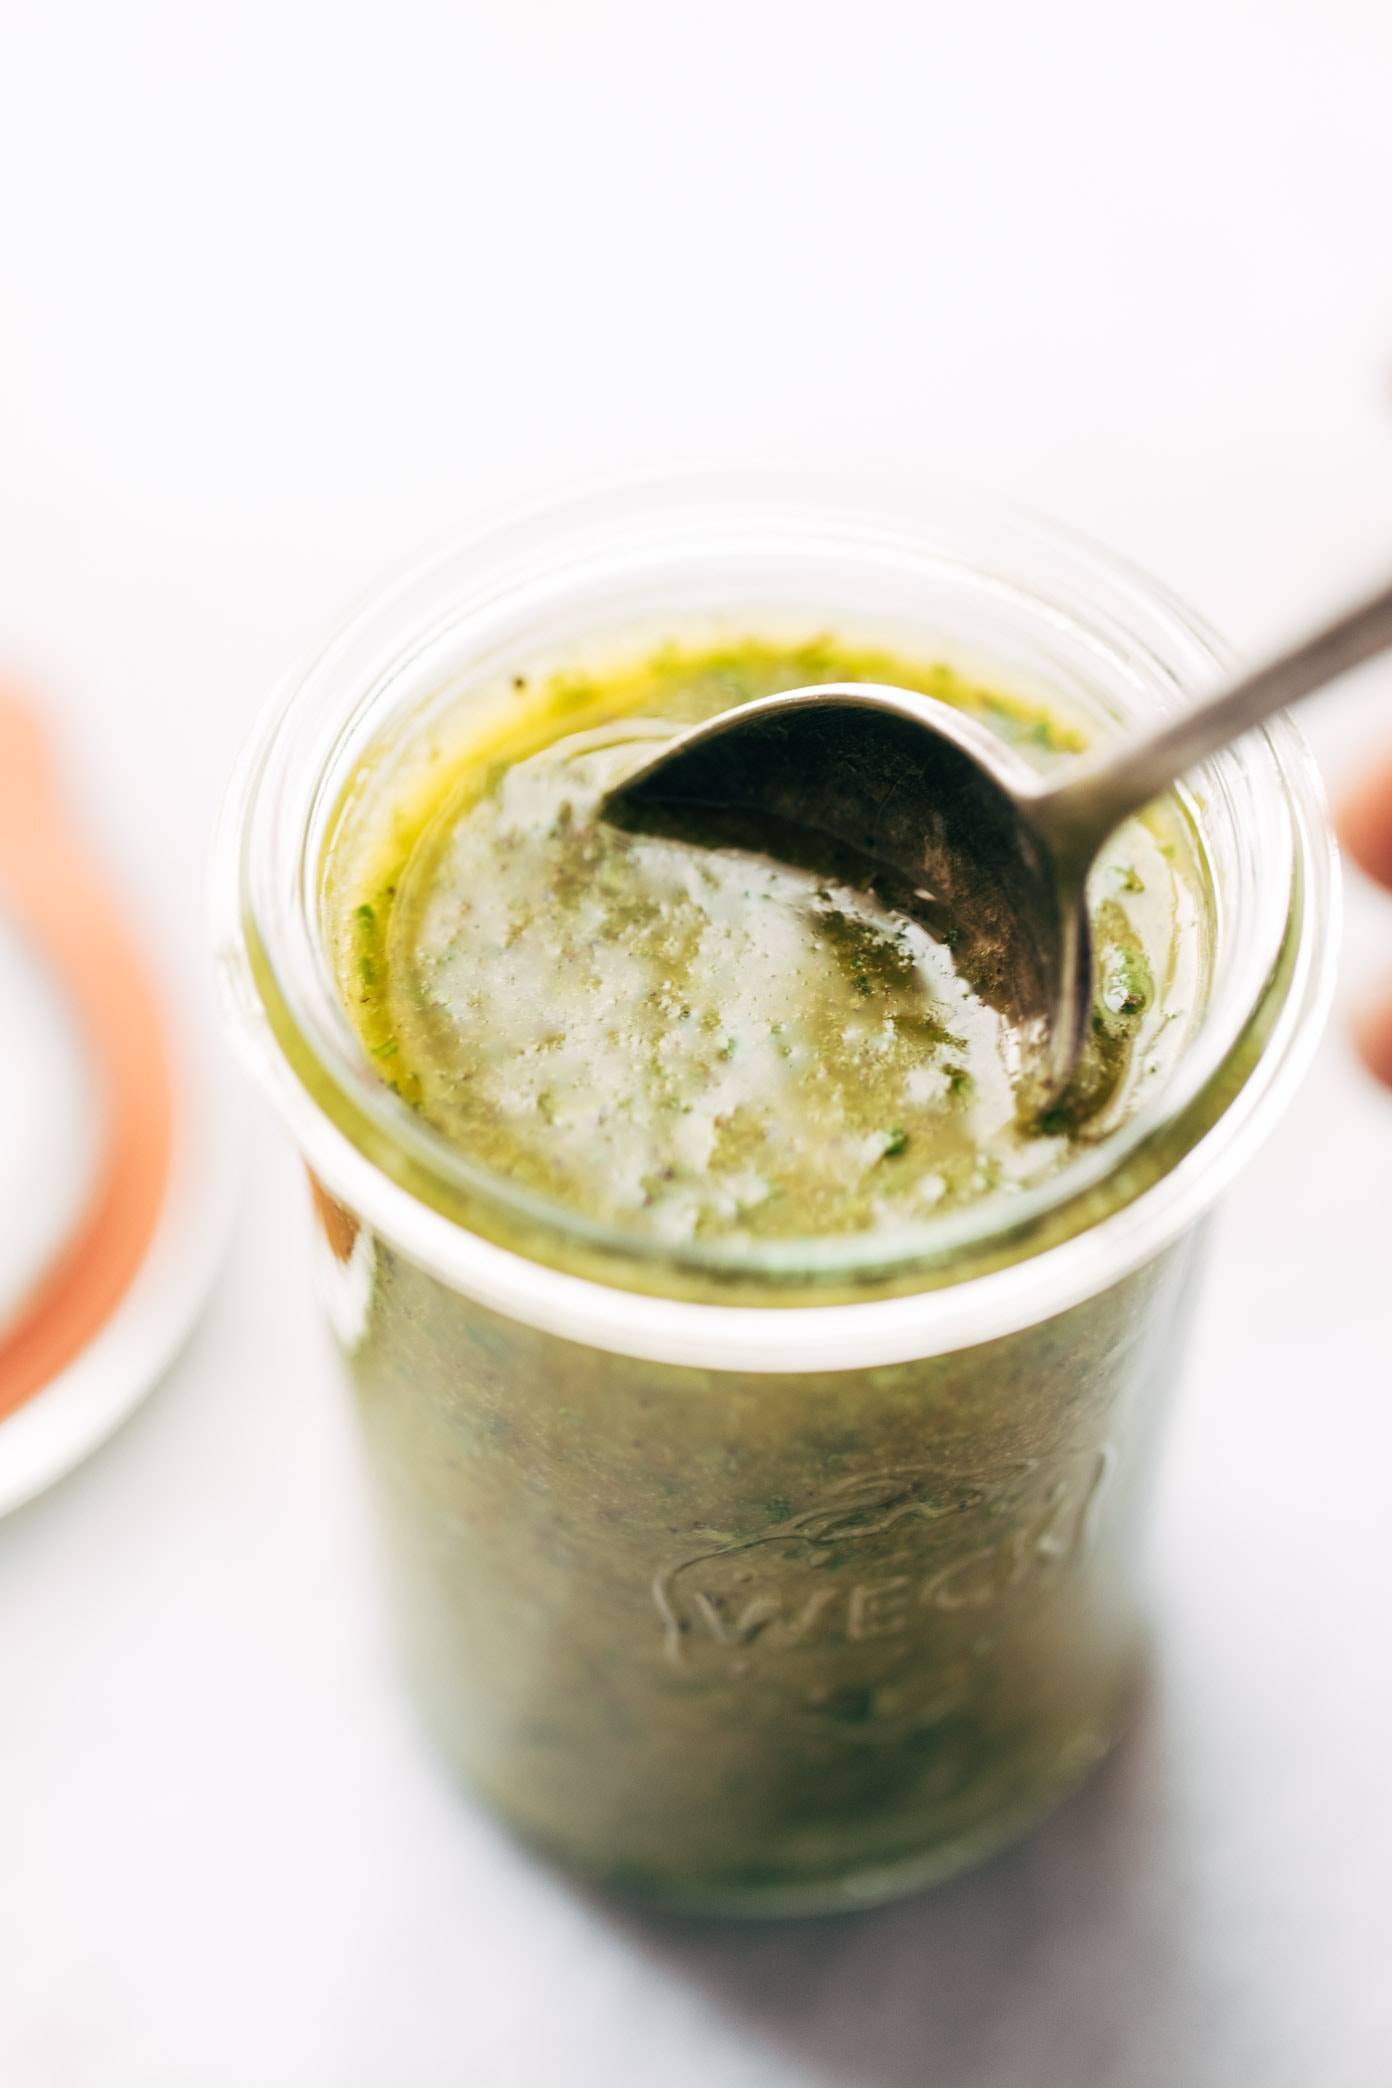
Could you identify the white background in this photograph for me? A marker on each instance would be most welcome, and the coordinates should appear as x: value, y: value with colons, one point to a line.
x: 285, y: 291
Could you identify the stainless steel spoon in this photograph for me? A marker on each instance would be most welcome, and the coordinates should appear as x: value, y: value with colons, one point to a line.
x: 948, y: 822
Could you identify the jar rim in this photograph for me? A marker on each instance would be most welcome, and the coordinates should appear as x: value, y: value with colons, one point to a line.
x: 288, y: 1012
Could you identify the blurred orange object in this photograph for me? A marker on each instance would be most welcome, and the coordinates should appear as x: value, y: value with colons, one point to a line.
x: 1365, y: 823
x: 1365, y: 828
x: 62, y: 904
x: 1372, y: 1033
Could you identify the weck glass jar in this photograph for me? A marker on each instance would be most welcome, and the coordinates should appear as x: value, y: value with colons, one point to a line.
x: 786, y: 1575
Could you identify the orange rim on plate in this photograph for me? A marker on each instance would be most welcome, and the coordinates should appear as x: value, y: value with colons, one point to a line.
x: 64, y: 905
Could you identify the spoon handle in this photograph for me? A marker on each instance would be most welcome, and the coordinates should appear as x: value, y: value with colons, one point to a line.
x: 1086, y: 809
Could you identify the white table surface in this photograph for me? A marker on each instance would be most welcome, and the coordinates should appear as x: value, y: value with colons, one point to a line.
x: 287, y: 290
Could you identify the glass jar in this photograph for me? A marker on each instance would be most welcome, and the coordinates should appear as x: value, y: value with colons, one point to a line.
x: 792, y: 1576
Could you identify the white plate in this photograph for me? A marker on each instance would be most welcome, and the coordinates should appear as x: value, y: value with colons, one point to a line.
x: 49, y: 1122
x: 47, y: 1154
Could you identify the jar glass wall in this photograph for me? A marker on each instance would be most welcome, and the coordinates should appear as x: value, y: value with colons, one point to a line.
x: 790, y: 1574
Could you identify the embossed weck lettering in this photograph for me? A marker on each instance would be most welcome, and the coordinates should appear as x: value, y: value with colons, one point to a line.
x: 859, y: 1568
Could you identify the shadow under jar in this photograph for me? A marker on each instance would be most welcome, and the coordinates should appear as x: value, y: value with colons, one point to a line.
x: 765, y: 1575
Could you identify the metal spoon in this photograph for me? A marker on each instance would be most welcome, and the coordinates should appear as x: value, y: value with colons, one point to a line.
x: 949, y: 823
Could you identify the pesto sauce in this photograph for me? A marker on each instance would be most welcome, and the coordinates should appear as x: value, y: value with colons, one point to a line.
x: 768, y: 1640
x: 687, y: 1037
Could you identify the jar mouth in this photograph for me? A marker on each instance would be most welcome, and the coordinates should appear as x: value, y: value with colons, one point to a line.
x: 1009, y: 596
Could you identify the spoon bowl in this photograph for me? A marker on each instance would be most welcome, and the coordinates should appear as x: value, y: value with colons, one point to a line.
x: 940, y: 818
